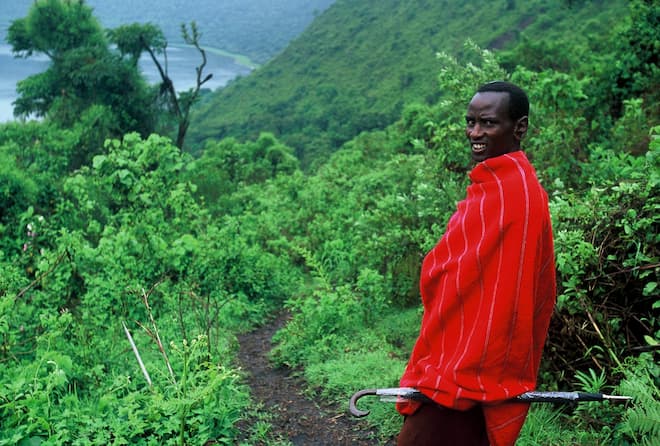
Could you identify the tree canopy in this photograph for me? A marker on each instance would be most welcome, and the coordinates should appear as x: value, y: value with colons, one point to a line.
x: 84, y: 70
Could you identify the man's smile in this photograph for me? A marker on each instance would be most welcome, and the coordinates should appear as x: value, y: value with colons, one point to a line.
x: 479, y: 150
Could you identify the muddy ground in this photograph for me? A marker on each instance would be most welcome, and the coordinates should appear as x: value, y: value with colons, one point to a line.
x: 279, y: 395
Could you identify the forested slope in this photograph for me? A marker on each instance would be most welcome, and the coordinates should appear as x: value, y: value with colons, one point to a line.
x: 357, y: 65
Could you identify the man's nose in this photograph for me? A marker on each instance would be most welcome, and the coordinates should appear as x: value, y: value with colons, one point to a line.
x: 475, y: 131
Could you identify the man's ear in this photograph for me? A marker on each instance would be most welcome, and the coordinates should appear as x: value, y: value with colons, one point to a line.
x: 520, y: 128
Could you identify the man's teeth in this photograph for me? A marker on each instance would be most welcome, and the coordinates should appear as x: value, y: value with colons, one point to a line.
x: 478, y: 146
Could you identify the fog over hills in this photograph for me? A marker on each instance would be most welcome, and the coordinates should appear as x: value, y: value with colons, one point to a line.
x: 258, y: 29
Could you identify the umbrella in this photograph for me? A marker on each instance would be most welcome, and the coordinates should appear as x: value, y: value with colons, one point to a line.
x: 396, y: 393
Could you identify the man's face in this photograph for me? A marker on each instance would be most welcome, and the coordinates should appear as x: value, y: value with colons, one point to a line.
x: 489, y: 127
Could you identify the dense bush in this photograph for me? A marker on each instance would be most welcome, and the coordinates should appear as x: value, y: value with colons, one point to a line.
x: 127, y: 243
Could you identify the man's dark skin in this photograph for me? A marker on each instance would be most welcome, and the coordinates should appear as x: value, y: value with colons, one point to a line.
x: 489, y: 126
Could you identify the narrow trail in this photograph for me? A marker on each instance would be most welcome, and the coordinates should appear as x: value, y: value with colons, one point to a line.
x: 294, y: 417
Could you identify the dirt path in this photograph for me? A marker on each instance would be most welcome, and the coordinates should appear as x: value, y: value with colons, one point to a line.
x: 294, y: 418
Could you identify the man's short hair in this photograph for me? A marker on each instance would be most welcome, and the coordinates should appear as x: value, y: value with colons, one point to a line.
x: 518, y: 101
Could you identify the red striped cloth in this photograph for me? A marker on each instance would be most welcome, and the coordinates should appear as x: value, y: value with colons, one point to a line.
x: 488, y: 289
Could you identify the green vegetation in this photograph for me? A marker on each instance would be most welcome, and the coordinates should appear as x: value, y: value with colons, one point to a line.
x: 126, y: 242
x: 105, y: 232
x: 95, y: 74
x: 362, y: 62
x: 86, y: 81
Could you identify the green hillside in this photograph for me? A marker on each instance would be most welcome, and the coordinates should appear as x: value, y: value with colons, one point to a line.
x: 356, y: 66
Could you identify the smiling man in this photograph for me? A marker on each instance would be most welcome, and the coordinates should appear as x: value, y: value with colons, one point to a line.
x: 488, y: 289
x: 496, y: 120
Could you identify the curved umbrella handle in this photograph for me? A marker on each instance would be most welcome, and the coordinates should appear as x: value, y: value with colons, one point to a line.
x: 353, y: 401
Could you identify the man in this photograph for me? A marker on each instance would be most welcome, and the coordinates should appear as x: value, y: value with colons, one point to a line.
x: 488, y: 289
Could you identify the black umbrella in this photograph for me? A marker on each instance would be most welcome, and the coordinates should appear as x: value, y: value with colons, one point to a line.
x: 396, y: 393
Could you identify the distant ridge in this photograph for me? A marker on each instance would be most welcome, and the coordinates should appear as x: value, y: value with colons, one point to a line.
x: 360, y: 62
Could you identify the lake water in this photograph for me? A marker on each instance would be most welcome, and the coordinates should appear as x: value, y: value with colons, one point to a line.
x: 181, y: 69
x: 12, y: 71
x: 236, y: 25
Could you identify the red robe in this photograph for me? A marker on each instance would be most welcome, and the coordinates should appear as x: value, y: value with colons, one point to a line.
x: 488, y: 289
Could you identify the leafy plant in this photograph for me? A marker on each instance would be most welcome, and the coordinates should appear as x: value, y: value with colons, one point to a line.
x: 641, y: 420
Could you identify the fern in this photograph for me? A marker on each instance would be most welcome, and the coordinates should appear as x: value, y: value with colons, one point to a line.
x: 316, y: 267
x: 591, y: 382
x: 641, y: 421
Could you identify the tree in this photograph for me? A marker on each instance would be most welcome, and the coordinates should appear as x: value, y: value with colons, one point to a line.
x: 134, y: 39
x: 54, y: 27
x: 84, y: 70
x: 91, y: 81
x: 636, y: 71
